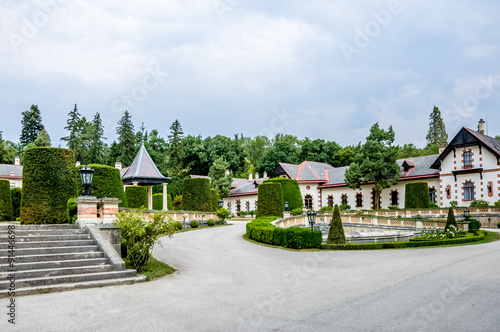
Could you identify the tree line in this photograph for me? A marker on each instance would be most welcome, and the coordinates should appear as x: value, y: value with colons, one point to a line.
x: 178, y: 155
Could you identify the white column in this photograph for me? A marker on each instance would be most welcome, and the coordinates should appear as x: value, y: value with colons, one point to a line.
x: 150, y: 197
x: 165, y: 201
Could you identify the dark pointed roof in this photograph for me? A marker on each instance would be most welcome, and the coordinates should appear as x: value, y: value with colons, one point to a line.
x: 143, y: 170
x: 308, y: 171
x: 468, y: 137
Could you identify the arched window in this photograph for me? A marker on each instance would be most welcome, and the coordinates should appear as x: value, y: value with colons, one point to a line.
x: 394, y: 198
x: 330, y: 200
x: 359, y: 200
x: 344, y: 199
x: 469, y: 191
x: 308, y: 202
x: 432, y: 195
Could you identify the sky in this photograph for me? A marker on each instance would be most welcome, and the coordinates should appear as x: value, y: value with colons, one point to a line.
x: 320, y: 68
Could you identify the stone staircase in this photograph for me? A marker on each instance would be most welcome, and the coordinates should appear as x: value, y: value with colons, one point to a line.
x: 52, y: 258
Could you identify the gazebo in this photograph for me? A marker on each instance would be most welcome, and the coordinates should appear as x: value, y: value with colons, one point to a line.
x: 143, y: 172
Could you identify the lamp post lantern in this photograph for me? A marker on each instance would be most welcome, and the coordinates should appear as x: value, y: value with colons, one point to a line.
x: 311, y: 216
x: 467, y: 214
x: 86, y: 175
x: 286, y: 205
x: 221, y: 204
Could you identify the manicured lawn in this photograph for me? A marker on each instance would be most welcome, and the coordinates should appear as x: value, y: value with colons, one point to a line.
x: 153, y: 269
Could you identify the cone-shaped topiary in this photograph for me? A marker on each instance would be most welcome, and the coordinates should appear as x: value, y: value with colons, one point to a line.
x: 6, y: 211
x: 451, y: 219
x: 336, y: 234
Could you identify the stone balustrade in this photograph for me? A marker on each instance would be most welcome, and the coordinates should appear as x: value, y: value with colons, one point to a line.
x: 179, y: 215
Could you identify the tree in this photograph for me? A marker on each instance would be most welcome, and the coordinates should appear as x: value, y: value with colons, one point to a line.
x: 450, y: 221
x: 255, y: 148
x: 437, y: 131
x: 375, y: 163
x: 97, y: 145
x: 219, y: 180
x: 176, y: 151
x: 284, y: 150
x: 157, y: 149
x: 73, y: 126
x: 318, y: 150
x: 336, y: 233
x: 126, y: 139
x: 31, y: 125
x: 3, y: 151
x: 230, y: 149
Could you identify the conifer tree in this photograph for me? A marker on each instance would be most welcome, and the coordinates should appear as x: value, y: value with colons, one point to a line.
x: 31, y: 125
x: 451, y: 219
x: 176, y: 151
x: 126, y: 139
x: 437, y: 131
x: 74, y: 128
x: 219, y: 180
x: 96, y: 146
x: 336, y: 234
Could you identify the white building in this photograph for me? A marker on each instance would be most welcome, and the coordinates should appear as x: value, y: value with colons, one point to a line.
x: 13, y: 173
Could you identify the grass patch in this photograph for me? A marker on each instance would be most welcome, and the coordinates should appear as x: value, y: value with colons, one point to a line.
x: 153, y: 269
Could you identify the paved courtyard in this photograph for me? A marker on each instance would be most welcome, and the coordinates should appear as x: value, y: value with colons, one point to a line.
x: 227, y: 284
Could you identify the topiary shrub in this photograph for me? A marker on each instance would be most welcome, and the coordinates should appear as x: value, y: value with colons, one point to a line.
x: 474, y: 224
x: 498, y: 225
x: 336, y: 233
x: 196, y: 195
x: 297, y: 212
x: 451, y: 221
x: 107, y: 182
x: 158, y: 202
x: 270, y: 200
x: 479, y: 203
x: 210, y: 222
x: 49, y: 180
x: 417, y: 196
x: 15, y: 194
x: 325, y: 209
x: 177, y: 225
x: 290, y: 190
x: 222, y: 214
x: 72, y: 210
x: 137, y: 197
x: 214, y: 199
x: 6, y: 210
x: 194, y: 224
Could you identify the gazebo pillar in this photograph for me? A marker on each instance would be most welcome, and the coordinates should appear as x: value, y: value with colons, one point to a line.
x: 165, y: 197
x: 150, y: 197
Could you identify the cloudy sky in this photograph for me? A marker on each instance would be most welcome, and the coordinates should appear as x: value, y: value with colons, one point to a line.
x: 319, y: 68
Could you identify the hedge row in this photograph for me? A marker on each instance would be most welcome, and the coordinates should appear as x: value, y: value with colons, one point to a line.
x: 15, y: 194
x: 107, y: 182
x: 478, y: 236
x: 291, y: 192
x: 158, y: 202
x: 417, y: 196
x: 196, y: 195
x: 261, y: 230
x: 137, y: 197
x: 6, y: 211
x: 270, y: 200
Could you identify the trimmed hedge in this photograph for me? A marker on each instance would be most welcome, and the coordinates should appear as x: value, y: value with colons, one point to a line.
x: 15, y: 194
x: 291, y: 192
x: 107, y: 182
x: 6, y: 210
x: 72, y: 209
x: 451, y: 221
x: 196, y: 195
x: 158, y: 202
x: 214, y: 199
x: 49, y: 180
x: 210, y: 222
x: 474, y: 224
x: 194, y: 224
x: 270, y: 200
x: 137, y: 197
x: 261, y: 230
x: 417, y: 196
x: 336, y: 233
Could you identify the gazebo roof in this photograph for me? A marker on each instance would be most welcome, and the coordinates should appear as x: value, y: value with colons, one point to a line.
x: 143, y: 170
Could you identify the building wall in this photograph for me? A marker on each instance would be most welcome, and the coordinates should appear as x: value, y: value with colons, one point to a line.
x: 14, y: 183
x: 231, y: 203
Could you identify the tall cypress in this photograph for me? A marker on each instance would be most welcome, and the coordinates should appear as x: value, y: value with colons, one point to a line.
x: 336, y: 234
x: 126, y: 139
x: 437, y: 134
x: 31, y: 125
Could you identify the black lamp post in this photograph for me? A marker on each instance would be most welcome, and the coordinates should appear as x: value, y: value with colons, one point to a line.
x: 311, y: 216
x: 467, y: 214
x: 286, y: 205
x: 86, y: 175
x: 221, y: 203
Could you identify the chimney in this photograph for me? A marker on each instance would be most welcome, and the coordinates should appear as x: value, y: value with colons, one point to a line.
x: 77, y: 164
x: 441, y: 149
x: 265, y: 175
x: 17, y: 161
x: 250, y: 177
x: 482, y: 127
x: 118, y: 165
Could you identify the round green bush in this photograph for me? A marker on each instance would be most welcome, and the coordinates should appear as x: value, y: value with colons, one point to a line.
x: 137, y: 197
x: 210, y: 222
x: 177, y: 225
x: 107, y: 182
x: 6, y: 210
x: 49, y: 180
x: 194, y: 224
x: 474, y: 224
x: 498, y: 225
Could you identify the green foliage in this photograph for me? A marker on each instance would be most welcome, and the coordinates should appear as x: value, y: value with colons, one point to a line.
x: 497, y: 204
x: 194, y: 224
x: 375, y: 163
x: 96, y: 150
x: 214, y: 199
x: 196, y: 195
x: 291, y: 192
x: 210, y: 222
x: 417, y: 196
x: 219, y: 180
x: 222, y: 214
x: 15, y: 194
x: 72, y: 210
x: 6, y: 210
x: 325, y: 209
x: 270, y: 200
x: 126, y: 139
x: 479, y: 203
x: 411, y: 151
x: 454, y: 204
x: 107, y: 182
x: 336, y: 233
x: 318, y: 150
x: 177, y: 225
x: 177, y: 202
x: 284, y: 150
x: 498, y: 225
x: 158, y: 202
x: 31, y: 125
x: 176, y: 150
x: 297, y: 212
x: 437, y: 131
x: 450, y: 221
x: 49, y: 180
x: 141, y: 236
x: 393, y: 207
x: 434, y: 205
x: 344, y: 207
x: 137, y: 197
x: 42, y: 141
x: 474, y: 224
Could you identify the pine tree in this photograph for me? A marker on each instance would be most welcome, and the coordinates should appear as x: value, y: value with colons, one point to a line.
x: 176, y: 151
x: 97, y: 146
x: 43, y: 140
x: 3, y: 152
x: 126, y: 139
x: 31, y: 125
x: 451, y: 221
x: 437, y: 131
x: 74, y: 128
x: 219, y: 180
x: 336, y: 233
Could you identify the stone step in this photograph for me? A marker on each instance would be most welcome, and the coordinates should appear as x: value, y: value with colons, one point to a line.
x: 4, y: 226
x: 46, y: 244
x: 56, y: 280
x: 72, y: 286
x: 43, y: 232
x: 55, y: 264
x: 55, y: 250
x: 36, y: 238
x: 52, y: 257
x: 47, y: 273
